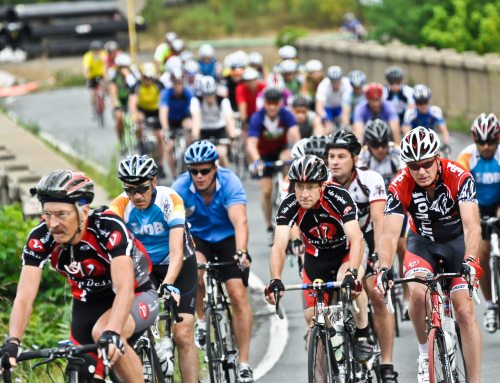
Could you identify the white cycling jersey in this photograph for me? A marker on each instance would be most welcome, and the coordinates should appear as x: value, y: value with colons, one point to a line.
x: 331, y: 98
x: 213, y: 116
x: 387, y: 168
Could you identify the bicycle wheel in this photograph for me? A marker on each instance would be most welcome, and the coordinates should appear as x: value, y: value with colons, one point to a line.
x: 214, y: 348
x: 495, y: 284
x: 439, y: 363
x: 230, y: 347
x: 319, y: 357
x: 99, y: 106
x: 150, y: 363
x: 458, y: 368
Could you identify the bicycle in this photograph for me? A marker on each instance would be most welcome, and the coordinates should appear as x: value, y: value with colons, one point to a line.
x: 446, y: 359
x: 221, y: 352
x: 238, y: 155
x: 99, y: 103
x: 180, y: 146
x: 278, y: 181
x: 149, y: 140
x: 129, y: 139
x: 332, y: 336
x: 493, y: 226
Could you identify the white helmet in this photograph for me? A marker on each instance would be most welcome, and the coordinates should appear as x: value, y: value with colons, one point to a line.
x: 255, y: 58
x: 288, y: 66
x: 148, y: 70
x: 170, y: 36
x: 287, y: 52
x: 313, y: 66
x: 419, y: 144
x: 250, y: 74
x: 208, y: 85
x: 191, y: 67
x: 275, y: 80
x: 122, y: 59
x: 177, y: 45
x: 186, y: 55
x: 334, y: 72
x: 173, y: 63
x: 240, y: 59
x: 206, y: 50
x: 176, y: 74
x: 298, y: 148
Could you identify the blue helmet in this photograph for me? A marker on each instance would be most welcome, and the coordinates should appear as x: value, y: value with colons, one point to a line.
x: 200, y: 152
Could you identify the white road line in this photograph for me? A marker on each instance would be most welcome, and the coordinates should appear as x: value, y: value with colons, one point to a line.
x: 278, y: 335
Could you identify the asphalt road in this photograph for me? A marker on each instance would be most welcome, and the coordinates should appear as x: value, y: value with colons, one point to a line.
x: 65, y: 115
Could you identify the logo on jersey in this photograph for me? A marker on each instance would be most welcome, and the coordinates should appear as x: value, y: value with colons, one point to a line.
x: 323, y: 232
x: 167, y: 208
x: 379, y: 191
x: 36, y: 245
x: 86, y: 268
x: 413, y: 263
x: 347, y: 210
x: 468, y: 192
x: 114, y: 240
x: 392, y: 203
x: 443, y: 204
x: 143, y: 310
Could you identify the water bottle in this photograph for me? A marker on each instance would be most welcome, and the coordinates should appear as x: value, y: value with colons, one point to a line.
x: 165, y: 351
x: 222, y: 323
x: 337, y: 341
x: 448, y: 325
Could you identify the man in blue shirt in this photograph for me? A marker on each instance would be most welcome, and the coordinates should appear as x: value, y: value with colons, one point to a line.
x: 215, y: 204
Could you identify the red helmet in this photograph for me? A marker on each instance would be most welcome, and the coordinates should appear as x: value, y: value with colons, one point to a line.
x: 373, y: 91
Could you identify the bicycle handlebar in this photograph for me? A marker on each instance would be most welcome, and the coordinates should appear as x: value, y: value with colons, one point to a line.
x: 172, y: 307
x: 214, y: 265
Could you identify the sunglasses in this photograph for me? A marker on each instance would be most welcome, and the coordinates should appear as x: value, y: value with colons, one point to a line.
x: 203, y: 171
x: 377, y: 145
x: 487, y: 142
x: 132, y: 190
x: 416, y: 166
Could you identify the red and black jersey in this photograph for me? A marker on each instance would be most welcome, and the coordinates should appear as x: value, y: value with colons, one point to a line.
x: 321, y: 227
x: 436, y: 218
x: 87, y: 264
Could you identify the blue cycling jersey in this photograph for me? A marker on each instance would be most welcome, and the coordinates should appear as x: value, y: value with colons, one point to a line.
x: 486, y: 173
x: 211, y: 222
x: 208, y: 69
x: 430, y: 120
x: 178, y: 105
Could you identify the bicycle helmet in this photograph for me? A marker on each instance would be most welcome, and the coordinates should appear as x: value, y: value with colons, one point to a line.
x: 287, y: 52
x: 300, y: 101
x: 373, y: 91
x: 485, y: 127
x: 173, y: 63
x: 419, y: 144
x: 186, y: 55
x: 334, y: 72
x: 308, y: 168
x: 65, y: 186
x: 137, y: 169
x: 343, y: 139
x: 148, y: 70
x: 275, y: 80
x: 255, y: 58
x: 316, y: 145
x: 272, y: 95
x: 95, y: 45
x: 288, y: 66
x: 250, y: 74
x: 191, y: 67
x: 421, y: 93
x: 313, y: 66
x: 394, y: 73
x: 206, y: 50
x: 357, y: 78
x: 122, y: 59
x: 177, y: 45
x: 349, y: 16
x: 208, y: 86
x: 376, y: 132
x: 170, y: 36
x: 111, y: 46
x: 298, y: 148
x: 200, y: 152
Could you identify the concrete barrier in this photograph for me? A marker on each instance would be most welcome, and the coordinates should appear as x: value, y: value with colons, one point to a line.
x: 463, y: 84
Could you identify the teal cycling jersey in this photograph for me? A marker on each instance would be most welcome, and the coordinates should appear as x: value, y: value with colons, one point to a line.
x: 211, y: 222
x: 151, y: 226
x: 486, y: 173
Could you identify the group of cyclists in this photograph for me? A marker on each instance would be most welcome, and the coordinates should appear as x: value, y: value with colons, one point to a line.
x: 368, y: 181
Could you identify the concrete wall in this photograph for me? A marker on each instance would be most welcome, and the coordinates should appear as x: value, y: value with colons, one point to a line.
x: 464, y: 84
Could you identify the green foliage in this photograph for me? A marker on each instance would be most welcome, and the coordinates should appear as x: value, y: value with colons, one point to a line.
x: 288, y: 35
x: 67, y: 78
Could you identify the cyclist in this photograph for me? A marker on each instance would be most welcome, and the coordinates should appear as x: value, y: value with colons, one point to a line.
x: 275, y: 80
x: 399, y: 93
x: 326, y: 217
x: 93, y: 68
x: 482, y: 159
x: 164, y: 50
x: 440, y: 196
x: 175, y: 115
x: 256, y: 61
x: 207, y: 61
x: 246, y: 94
x: 192, y: 76
x: 113, y: 297
x: 144, y: 104
x: 293, y: 82
x: 352, y: 98
x: 269, y: 132
x: 375, y: 107
x: 314, y: 74
x: 426, y: 115
x: 308, y: 121
x: 367, y: 189
x: 353, y: 26
x: 212, y: 117
x: 156, y: 216
x: 329, y: 97
x: 236, y: 63
x: 111, y: 51
x: 122, y: 81
x: 216, y: 200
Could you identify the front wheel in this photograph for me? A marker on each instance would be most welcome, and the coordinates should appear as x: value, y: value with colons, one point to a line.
x: 458, y: 367
x: 214, y: 348
x: 151, y: 365
x: 319, y: 357
x: 439, y: 363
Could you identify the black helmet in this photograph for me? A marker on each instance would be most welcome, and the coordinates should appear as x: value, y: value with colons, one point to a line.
x: 377, y: 132
x: 272, y: 94
x: 315, y: 145
x: 95, y: 45
x: 308, y: 169
x: 65, y: 186
x: 394, y: 73
x: 343, y: 139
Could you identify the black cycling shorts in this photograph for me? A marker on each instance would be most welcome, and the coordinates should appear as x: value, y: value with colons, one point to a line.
x: 222, y: 251
x: 269, y: 170
x: 217, y: 134
x: 186, y: 282
x: 154, y: 116
x: 93, y: 83
x: 487, y: 212
x: 370, y: 244
x: 177, y: 124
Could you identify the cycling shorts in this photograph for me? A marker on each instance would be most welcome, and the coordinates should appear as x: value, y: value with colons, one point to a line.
x: 487, y: 212
x: 333, y: 114
x: 186, y: 282
x: 93, y: 83
x: 152, y: 114
x: 177, y: 124
x: 369, y: 249
x: 222, y: 251
x: 217, y: 134
x: 269, y: 170
x: 423, y: 256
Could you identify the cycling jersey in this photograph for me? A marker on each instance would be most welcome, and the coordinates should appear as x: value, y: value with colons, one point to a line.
x: 430, y: 120
x: 387, y: 168
x: 271, y: 133
x: 231, y: 91
x: 321, y: 227
x: 148, y: 96
x: 486, y: 173
x: 208, y: 68
x: 366, y: 187
x: 87, y: 264
x: 152, y: 225
x: 438, y: 218
x: 400, y: 99
x: 125, y: 85
x: 331, y: 98
x: 351, y: 100
x: 307, y: 127
x: 286, y: 97
x: 213, y: 116
x: 245, y: 95
x: 94, y: 64
x: 178, y: 105
x: 211, y: 222
x: 162, y: 53
x: 363, y: 113
x: 294, y: 86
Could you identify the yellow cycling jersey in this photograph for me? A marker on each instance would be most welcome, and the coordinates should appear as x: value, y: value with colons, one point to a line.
x: 148, y: 96
x: 95, y: 65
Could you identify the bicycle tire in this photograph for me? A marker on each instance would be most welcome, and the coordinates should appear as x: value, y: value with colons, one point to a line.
x: 213, y: 348
x: 99, y: 106
x: 230, y: 347
x: 495, y: 284
x: 319, y: 357
x: 459, y: 369
x: 148, y: 354
x: 439, y: 363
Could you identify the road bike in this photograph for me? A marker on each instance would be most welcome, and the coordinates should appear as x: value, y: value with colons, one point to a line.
x: 238, y: 155
x: 278, y: 181
x: 129, y: 138
x: 220, y: 343
x: 180, y: 146
x: 99, y: 103
x: 446, y: 359
x: 493, y: 226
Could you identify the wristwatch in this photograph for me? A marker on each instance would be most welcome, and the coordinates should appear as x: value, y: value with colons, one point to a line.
x: 353, y: 271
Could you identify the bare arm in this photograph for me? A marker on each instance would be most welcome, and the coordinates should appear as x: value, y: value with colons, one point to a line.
x: 469, y: 213
x: 318, y: 129
x: 164, y: 118
x: 377, y: 215
x: 355, y: 238
x: 242, y: 109
x: 196, y: 124
x: 444, y: 131
x: 392, y: 225
x: 396, y: 134
x: 293, y: 134
x: 320, y: 109
x: 176, y: 245
x: 122, y: 275
x: 346, y: 115
x: 277, y: 260
x: 230, y: 125
x: 252, y: 150
x: 357, y: 129
x: 238, y: 217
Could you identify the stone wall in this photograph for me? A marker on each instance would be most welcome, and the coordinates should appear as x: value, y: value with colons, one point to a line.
x: 463, y: 85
